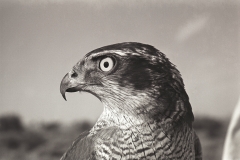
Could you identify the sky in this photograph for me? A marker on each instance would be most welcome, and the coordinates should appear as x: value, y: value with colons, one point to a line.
x: 40, y: 41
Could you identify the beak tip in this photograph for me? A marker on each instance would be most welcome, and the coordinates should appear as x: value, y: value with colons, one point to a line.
x: 64, y: 97
x: 63, y: 94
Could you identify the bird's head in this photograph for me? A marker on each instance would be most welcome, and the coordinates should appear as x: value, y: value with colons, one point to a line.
x: 129, y: 76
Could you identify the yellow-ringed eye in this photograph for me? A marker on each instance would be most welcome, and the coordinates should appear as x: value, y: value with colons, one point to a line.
x: 106, y: 64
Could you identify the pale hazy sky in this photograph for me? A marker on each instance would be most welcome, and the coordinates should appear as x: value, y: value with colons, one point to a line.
x: 41, y: 40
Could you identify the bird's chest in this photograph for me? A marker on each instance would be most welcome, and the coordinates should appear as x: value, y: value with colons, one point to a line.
x: 132, y: 143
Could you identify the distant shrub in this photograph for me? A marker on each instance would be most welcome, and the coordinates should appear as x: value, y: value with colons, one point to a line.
x: 52, y: 126
x: 33, y: 140
x: 83, y: 126
x: 10, y: 123
x: 212, y: 127
x: 11, y: 141
x: 28, y: 140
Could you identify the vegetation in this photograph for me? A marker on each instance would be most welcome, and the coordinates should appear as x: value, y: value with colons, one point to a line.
x: 49, y: 141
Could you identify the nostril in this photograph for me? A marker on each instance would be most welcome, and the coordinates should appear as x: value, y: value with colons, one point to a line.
x: 74, y: 74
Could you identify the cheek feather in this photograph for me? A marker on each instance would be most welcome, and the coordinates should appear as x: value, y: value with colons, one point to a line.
x: 94, y: 77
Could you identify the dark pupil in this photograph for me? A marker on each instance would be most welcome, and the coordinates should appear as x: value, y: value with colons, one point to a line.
x: 105, y: 64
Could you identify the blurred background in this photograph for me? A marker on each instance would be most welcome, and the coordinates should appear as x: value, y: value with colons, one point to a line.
x: 41, y: 40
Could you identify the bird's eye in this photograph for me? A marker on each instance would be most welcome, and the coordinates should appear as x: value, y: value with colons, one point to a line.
x: 106, y: 64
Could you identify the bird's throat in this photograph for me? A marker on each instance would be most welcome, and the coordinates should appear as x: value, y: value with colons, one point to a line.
x: 119, y: 118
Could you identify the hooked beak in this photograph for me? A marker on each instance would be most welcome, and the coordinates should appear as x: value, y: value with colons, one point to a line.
x: 70, y: 84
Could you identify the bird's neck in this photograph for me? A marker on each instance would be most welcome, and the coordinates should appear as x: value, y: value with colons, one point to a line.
x: 162, y: 134
x: 137, y: 119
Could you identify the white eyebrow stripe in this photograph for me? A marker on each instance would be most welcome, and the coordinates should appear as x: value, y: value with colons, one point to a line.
x: 119, y: 52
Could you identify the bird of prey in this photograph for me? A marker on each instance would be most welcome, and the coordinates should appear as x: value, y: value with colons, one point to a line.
x: 147, y: 113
